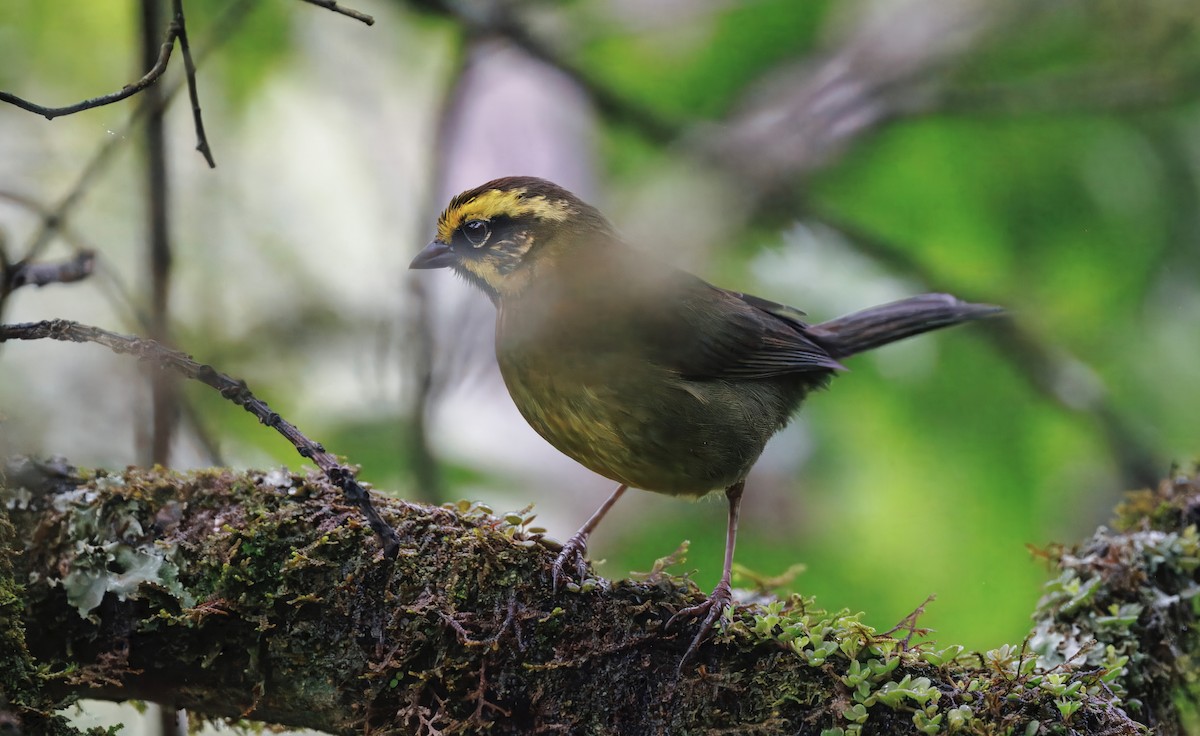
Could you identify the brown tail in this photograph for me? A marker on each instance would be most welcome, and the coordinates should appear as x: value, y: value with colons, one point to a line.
x: 861, y: 331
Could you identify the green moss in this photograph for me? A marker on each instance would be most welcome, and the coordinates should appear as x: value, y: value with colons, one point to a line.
x: 1098, y: 643
x: 294, y: 611
x: 23, y: 702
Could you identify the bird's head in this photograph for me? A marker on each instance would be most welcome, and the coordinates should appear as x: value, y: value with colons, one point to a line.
x: 497, y: 235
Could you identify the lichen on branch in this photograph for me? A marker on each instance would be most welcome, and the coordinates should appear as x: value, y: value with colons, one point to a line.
x: 262, y: 595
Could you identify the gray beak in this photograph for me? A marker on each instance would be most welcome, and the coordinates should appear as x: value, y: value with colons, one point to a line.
x: 435, y: 255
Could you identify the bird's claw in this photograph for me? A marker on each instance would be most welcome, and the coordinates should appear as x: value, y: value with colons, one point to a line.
x: 711, y: 609
x: 571, y: 556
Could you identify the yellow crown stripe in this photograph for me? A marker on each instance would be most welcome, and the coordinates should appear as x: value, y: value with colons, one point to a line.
x: 497, y: 203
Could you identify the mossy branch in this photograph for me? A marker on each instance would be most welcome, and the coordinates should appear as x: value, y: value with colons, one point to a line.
x: 263, y: 596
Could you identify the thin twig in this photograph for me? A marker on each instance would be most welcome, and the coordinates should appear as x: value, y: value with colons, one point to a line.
x: 348, y: 12
x: 54, y: 220
x: 152, y: 76
x: 909, y: 624
x: 232, y: 389
x: 76, y: 268
x: 118, y: 295
x: 190, y: 73
x: 221, y: 31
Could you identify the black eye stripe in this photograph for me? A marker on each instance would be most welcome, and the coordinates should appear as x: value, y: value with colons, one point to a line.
x: 476, y: 232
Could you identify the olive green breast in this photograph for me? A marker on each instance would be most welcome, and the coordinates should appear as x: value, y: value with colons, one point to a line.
x: 590, y: 392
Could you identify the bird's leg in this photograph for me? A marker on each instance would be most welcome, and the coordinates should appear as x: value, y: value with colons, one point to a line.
x: 722, y: 595
x: 572, y: 554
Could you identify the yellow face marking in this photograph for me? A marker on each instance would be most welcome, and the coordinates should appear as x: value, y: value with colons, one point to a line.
x: 500, y: 203
x: 498, y: 267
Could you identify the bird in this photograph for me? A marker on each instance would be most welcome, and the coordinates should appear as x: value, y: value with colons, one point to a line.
x: 639, y: 371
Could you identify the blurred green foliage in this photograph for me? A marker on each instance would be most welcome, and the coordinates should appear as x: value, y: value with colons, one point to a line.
x: 702, y: 66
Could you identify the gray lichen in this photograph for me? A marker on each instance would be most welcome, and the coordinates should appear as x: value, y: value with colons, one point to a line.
x: 262, y: 595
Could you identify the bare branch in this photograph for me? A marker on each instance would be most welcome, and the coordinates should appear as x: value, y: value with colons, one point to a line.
x: 151, y: 76
x: 164, y: 389
x: 232, y: 389
x: 118, y: 294
x: 76, y: 268
x: 348, y: 12
x: 221, y: 31
x: 799, y: 117
x: 190, y: 68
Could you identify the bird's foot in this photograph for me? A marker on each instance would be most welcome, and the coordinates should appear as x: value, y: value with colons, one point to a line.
x: 711, y: 609
x: 570, y: 559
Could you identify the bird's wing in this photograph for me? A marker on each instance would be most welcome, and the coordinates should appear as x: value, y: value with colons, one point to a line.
x: 613, y: 298
x: 712, y: 333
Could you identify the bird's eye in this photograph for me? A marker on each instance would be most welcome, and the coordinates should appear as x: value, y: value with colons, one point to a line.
x: 476, y: 232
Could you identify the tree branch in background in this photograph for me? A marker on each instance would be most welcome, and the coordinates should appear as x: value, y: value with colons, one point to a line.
x: 1063, y: 379
x: 222, y: 30
x: 342, y: 10
x: 797, y: 118
x: 801, y: 116
x: 497, y: 19
x: 419, y: 341
x: 150, y: 77
x: 419, y: 348
x: 1090, y: 90
x: 76, y: 268
x: 118, y: 295
x: 236, y: 391
x: 252, y: 596
x: 225, y: 27
x: 176, y: 29
x: 190, y: 74
x: 164, y: 405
